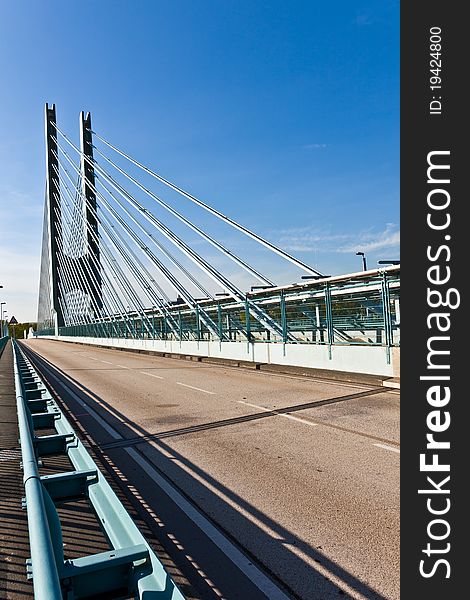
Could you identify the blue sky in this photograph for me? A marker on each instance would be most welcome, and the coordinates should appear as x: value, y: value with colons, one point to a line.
x: 283, y: 115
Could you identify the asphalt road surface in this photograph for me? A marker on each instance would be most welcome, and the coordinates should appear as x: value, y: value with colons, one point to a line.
x: 268, y: 485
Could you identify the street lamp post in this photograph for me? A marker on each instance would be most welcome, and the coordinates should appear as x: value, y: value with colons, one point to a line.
x: 364, y: 265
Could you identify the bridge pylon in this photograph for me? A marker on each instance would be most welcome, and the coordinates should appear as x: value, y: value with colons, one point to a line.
x: 92, y: 254
x: 74, y: 247
x: 53, y: 211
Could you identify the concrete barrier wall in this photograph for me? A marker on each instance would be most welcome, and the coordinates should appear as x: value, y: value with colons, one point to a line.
x: 370, y: 360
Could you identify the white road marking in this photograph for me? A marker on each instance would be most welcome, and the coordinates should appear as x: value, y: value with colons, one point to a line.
x: 275, y: 412
x: 385, y: 447
x: 122, y: 366
x: 244, y: 563
x: 107, y: 362
x: 195, y: 388
x: 151, y: 375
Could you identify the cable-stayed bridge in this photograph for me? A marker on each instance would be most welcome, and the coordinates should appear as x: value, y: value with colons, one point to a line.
x: 114, y: 269
x: 264, y: 466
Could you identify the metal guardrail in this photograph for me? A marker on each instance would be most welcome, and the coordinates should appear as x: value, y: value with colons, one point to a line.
x: 130, y: 565
x: 3, y: 341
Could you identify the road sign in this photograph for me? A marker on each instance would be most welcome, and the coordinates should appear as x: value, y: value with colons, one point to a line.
x: 13, y: 321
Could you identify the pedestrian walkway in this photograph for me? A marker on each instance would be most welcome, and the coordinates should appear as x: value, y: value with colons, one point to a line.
x: 14, y: 545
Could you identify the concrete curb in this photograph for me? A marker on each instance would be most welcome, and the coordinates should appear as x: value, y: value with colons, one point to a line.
x: 326, y: 374
x: 393, y: 382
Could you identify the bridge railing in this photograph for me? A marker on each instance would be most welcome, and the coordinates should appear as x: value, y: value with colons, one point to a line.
x: 362, y: 309
x: 130, y: 566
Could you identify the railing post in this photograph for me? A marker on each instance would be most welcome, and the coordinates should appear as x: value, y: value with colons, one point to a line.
x: 198, y: 325
x: 282, y: 301
x: 247, y: 324
x: 385, y: 293
x: 329, y: 318
x: 319, y: 332
x: 219, y: 321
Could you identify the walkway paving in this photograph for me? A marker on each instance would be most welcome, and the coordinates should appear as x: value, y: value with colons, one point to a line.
x: 14, y: 546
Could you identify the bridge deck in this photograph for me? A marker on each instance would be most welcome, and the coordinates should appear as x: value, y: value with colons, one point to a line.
x: 312, y: 497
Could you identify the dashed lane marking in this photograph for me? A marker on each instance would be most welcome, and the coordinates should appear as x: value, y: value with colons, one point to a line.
x: 385, y: 447
x: 151, y: 375
x: 195, y: 388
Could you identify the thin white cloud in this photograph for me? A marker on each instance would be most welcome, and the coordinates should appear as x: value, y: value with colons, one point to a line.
x: 370, y: 242
x: 314, y: 146
x: 309, y: 239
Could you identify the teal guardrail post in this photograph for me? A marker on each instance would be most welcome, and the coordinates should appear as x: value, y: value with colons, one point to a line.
x: 219, y: 323
x: 198, y: 324
x: 329, y: 318
x: 247, y: 324
x: 282, y: 302
x: 385, y: 294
